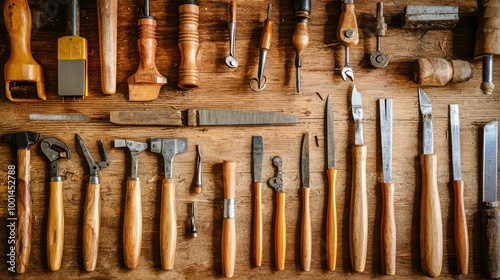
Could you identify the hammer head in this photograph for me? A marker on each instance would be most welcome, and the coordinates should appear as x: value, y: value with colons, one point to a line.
x: 22, y: 140
x: 135, y: 147
x: 168, y: 147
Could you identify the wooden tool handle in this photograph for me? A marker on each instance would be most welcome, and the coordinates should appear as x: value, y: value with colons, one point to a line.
x: 188, y: 45
x: 305, y: 234
x: 55, y: 226
x: 461, y: 235
x: 348, y: 22
x: 229, y: 224
x: 300, y: 38
x: 257, y: 230
x: 17, y: 16
x: 331, y: 221
x: 487, y: 33
x: 431, y: 226
x: 280, y: 231
x: 107, y: 12
x: 388, y: 230
x: 358, y: 223
x: 267, y: 32
x: 24, y: 212
x: 91, y: 226
x: 233, y: 10
x: 168, y: 225
x: 491, y: 240
x: 132, y: 224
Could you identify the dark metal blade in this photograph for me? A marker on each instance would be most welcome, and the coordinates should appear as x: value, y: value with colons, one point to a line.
x: 455, y: 142
x: 304, y: 161
x: 237, y: 117
x: 490, y: 161
x: 386, y: 137
x: 257, y: 157
x: 330, y: 142
x: 426, y: 111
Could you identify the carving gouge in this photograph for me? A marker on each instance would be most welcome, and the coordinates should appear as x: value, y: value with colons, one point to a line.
x: 107, y: 13
x: 305, y: 233
x: 229, y: 224
x: 300, y: 37
x: 388, y: 223
x: 257, y: 158
x: 358, y: 223
x: 331, y: 172
x: 347, y: 34
x: 231, y: 61
x: 280, y: 223
x: 431, y: 225
x: 490, y: 213
x: 199, y: 178
x: 461, y: 235
x: 260, y: 82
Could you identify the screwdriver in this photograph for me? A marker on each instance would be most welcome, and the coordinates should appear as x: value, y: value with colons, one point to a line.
x: 265, y: 44
x: 300, y: 37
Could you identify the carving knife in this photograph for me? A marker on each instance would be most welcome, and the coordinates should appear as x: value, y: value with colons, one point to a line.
x: 490, y: 213
x: 257, y: 159
x: 461, y: 236
x: 358, y: 223
x: 305, y: 234
x: 331, y: 172
x: 387, y: 223
x: 431, y: 225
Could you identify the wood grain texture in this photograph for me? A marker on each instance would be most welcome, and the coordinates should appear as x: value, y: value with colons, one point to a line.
x: 280, y: 232
x: 188, y: 45
x: 107, y: 15
x: 91, y: 226
x: 132, y: 224
x: 24, y: 211
x: 229, y: 224
x: 257, y: 224
x: 491, y: 241
x: 331, y: 220
x: 305, y: 233
x: 460, y: 228
x: 388, y: 230
x: 168, y: 225
x: 55, y: 226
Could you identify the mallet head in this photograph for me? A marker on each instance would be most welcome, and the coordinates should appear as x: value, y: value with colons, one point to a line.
x: 169, y: 147
x: 22, y: 140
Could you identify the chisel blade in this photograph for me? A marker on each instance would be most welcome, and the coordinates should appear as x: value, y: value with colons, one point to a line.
x: 357, y: 114
x: 386, y: 137
x: 490, y: 161
x: 455, y: 142
x: 304, y: 161
x: 330, y: 142
x: 426, y: 111
x: 257, y: 157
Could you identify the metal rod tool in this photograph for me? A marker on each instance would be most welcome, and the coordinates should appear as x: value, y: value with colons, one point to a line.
x: 231, y: 61
x: 380, y: 59
x: 260, y: 82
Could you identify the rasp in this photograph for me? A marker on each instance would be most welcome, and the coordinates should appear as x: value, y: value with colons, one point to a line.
x: 305, y: 234
x: 331, y: 172
x: 490, y: 212
x: 358, y: 225
x: 431, y: 225
x: 460, y: 228
x: 388, y: 222
x: 257, y: 159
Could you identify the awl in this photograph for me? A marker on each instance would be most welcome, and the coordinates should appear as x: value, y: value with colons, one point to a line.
x: 331, y: 172
x: 305, y: 233
x: 257, y: 159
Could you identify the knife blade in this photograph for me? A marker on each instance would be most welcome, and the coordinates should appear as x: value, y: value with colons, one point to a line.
x: 331, y: 171
x: 257, y: 159
x: 357, y: 114
x: 305, y: 236
x: 431, y: 225
x: 460, y: 222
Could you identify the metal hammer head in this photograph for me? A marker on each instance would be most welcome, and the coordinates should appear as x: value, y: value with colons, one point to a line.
x: 22, y: 140
x: 168, y: 147
x: 135, y: 148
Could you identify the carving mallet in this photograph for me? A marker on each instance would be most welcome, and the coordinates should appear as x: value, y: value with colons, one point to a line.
x: 107, y: 13
x: 188, y: 43
x: 229, y: 224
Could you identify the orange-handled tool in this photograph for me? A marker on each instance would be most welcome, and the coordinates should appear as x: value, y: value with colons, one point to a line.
x: 280, y: 224
x: 229, y: 224
x: 331, y: 172
x: 305, y: 233
x: 257, y: 159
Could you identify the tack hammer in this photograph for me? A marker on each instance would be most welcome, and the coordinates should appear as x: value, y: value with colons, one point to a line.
x: 168, y: 147
x: 23, y: 141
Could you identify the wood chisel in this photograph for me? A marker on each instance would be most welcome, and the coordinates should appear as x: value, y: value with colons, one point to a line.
x: 257, y: 160
x: 348, y: 35
x: 305, y: 233
x: 24, y: 81
x: 189, y: 42
x: 280, y: 220
x: 331, y: 172
x: 107, y: 13
x: 388, y: 222
x: 490, y: 214
x: 229, y: 224
x: 358, y: 222
x: 460, y: 229
x: 431, y: 225
x: 72, y: 62
x: 300, y: 38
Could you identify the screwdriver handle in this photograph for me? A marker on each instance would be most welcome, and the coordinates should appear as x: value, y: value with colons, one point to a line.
x: 461, y: 235
x: 229, y: 224
x: 132, y: 224
x: 91, y: 226
x: 300, y: 38
x: 188, y: 44
x: 331, y: 221
x: 24, y: 211
x: 306, y: 235
x: 491, y: 240
x: 233, y: 10
x: 431, y: 225
x: 168, y: 225
x: 280, y: 231
x: 347, y: 31
x: 267, y: 32
x: 388, y: 230
x: 257, y: 233
x: 55, y: 226
x: 107, y: 13
x: 358, y: 223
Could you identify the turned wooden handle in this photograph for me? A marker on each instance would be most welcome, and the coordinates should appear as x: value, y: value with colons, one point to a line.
x: 257, y: 231
x: 107, y: 13
x: 331, y: 221
x: 487, y: 33
x: 300, y: 38
x: 388, y: 230
x: 305, y: 234
x: 358, y: 223
x: 132, y: 224
x: 461, y: 235
x: 188, y: 45
x: 229, y: 224
x: 24, y: 212
x: 347, y: 21
x: 491, y: 240
x: 233, y: 10
x: 280, y: 231
x: 91, y: 226
x: 168, y: 225
x: 55, y: 226
x: 431, y: 225
x: 267, y: 32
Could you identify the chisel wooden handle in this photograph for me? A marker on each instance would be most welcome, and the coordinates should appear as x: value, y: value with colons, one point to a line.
x: 267, y: 33
x: 280, y: 231
x: 132, y: 224
x: 305, y: 234
x: 24, y: 211
x: 431, y: 225
x: 331, y: 221
x: 348, y: 24
x: 257, y: 231
x: 461, y: 235
x: 91, y: 226
x: 388, y: 230
x: 168, y: 225
x: 188, y: 43
x: 229, y: 224
x: 107, y: 13
x: 358, y: 223
x: 55, y: 227
x: 491, y: 240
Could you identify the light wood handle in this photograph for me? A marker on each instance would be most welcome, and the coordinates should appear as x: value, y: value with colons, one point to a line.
x: 168, y: 225
x: 91, y: 226
x: 300, y: 38
x: 267, y: 32
x: 55, y: 226
x: 358, y: 223
x: 431, y: 225
x: 491, y: 240
x: 233, y: 10
x: 347, y: 21
x: 107, y: 13
x: 461, y: 235
x: 188, y: 45
x: 331, y: 221
x: 132, y: 224
x: 229, y: 224
x: 24, y: 211
x: 280, y: 231
x: 388, y: 230
x: 257, y: 231
x: 487, y: 33
x: 305, y: 234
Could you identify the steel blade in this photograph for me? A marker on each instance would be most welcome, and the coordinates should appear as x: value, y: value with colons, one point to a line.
x: 386, y: 137
x: 330, y: 142
x: 51, y: 117
x: 455, y: 142
x: 237, y: 117
x: 490, y: 151
x: 357, y: 114
x: 426, y: 111
x: 257, y: 157
x: 304, y: 161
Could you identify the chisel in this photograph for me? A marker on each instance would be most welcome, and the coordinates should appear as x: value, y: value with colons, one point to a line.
x: 257, y: 159
x: 229, y: 224
x: 331, y: 214
x: 107, y: 13
x: 305, y: 233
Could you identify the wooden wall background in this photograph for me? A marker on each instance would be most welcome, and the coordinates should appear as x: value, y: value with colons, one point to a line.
x: 222, y: 87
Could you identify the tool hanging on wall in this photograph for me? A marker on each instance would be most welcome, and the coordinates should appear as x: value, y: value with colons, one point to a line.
x: 72, y: 58
x: 260, y: 82
x: 331, y: 172
x: 107, y: 13
x: 231, y: 61
x: 24, y: 80
x: 146, y: 83
x: 188, y: 43
x: 257, y: 160
x: 199, y: 160
x: 228, y: 249
x: 280, y: 220
x: 305, y: 232
x: 347, y: 34
x: 300, y: 37
x: 380, y: 59
x: 54, y: 149
x: 439, y: 71
x: 429, y: 17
